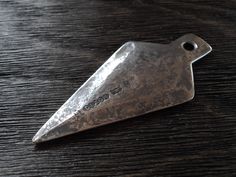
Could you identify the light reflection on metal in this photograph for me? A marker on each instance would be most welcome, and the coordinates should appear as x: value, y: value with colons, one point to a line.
x: 138, y: 78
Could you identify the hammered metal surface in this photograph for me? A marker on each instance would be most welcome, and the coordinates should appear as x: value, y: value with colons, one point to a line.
x: 138, y: 78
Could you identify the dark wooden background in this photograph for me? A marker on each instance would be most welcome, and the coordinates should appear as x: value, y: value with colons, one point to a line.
x: 48, y: 48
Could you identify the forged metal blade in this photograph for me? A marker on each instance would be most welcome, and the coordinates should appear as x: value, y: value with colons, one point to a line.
x: 138, y: 78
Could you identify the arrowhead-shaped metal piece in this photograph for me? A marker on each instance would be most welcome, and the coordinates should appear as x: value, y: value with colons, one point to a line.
x: 138, y: 78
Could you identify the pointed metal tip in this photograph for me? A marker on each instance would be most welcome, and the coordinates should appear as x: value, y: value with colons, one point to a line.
x: 41, y: 136
x: 38, y: 138
x: 47, y: 133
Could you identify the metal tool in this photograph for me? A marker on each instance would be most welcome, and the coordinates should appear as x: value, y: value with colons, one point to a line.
x: 139, y: 78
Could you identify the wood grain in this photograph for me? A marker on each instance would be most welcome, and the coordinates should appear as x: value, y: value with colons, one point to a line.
x: 49, y: 48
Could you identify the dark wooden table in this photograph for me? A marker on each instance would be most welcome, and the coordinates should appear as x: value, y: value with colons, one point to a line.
x: 49, y: 48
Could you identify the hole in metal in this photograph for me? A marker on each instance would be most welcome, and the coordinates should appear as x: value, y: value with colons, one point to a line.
x: 189, y: 46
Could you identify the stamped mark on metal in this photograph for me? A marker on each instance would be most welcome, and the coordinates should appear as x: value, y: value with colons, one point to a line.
x: 106, y: 96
